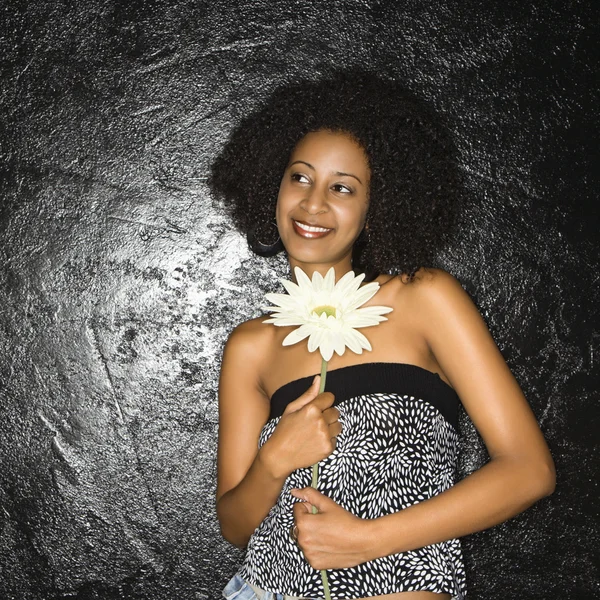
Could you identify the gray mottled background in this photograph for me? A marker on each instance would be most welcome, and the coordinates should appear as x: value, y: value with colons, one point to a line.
x: 121, y: 278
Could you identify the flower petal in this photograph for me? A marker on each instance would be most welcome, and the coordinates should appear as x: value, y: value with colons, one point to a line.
x: 326, y: 348
x: 304, y: 282
x: 348, y: 284
x: 371, y: 313
x: 339, y: 343
x: 291, y: 288
x: 361, y: 296
x: 284, y: 300
x: 285, y: 321
x: 297, y: 335
x: 329, y: 281
x: 361, y: 340
x: 381, y: 310
x: 317, y: 282
x: 313, y: 341
x: 321, y: 337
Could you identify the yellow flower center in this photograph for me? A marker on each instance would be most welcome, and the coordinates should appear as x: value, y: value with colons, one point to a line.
x: 328, y: 310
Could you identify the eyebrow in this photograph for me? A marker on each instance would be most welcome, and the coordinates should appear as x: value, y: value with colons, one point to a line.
x: 337, y: 173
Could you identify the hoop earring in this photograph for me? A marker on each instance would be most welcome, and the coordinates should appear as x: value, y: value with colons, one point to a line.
x: 262, y: 249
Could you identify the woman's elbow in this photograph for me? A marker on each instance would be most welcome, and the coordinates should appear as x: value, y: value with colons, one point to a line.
x: 549, y: 478
x: 543, y: 479
x: 233, y: 537
x: 230, y: 531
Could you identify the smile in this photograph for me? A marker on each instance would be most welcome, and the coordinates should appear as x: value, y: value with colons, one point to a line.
x: 310, y: 231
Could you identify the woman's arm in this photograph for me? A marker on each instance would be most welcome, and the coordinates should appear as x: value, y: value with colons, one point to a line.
x: 520, y: 470
x: 249, y: 480
x: 246, y: 486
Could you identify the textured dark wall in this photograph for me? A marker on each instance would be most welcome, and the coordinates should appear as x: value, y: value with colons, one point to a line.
x: 120, y: 278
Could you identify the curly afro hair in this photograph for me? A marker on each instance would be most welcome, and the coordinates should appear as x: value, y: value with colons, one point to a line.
x: 415, y: 188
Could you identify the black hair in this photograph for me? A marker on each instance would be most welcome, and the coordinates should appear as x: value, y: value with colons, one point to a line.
x: 415, y: 188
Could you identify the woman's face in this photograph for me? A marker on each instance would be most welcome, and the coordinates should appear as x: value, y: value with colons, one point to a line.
x: 323, y: 200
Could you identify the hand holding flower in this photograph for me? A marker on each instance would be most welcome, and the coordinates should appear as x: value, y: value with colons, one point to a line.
x: 331, y: 538
x: 306, y: 431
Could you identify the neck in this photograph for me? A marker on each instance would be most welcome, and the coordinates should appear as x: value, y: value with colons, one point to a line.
x: 341, y: 267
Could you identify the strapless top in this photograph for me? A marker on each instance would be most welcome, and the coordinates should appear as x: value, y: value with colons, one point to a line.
x: 398, y: 446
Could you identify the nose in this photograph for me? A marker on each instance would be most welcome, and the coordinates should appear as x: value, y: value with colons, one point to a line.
x: 315, y: 202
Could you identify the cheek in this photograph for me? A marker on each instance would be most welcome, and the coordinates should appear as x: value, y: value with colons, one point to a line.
x: 356, y: 219
x: 280, y: 209
x: 283, y: 196
x: 277, y: 214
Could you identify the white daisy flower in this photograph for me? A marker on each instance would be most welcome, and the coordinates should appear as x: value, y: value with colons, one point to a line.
x: 326, y: 312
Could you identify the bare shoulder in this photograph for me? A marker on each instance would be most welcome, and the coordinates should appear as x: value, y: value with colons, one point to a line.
x: 434, y: 289
x: 430, y: 288
x: 428, y: 279
x: 247, y: 350
x: 251, y: 334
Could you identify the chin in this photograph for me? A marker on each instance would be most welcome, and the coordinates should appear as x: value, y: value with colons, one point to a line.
x: 313, y: 258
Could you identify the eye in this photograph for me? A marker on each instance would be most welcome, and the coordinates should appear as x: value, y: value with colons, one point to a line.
x: 341, y: 188
x: 300, y: 178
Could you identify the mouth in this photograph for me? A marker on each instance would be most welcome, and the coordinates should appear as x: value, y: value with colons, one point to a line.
x: 310, y: 232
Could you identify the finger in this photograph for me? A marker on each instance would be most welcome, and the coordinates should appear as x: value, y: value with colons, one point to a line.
x: 335, y: 429
x: 324, y: 400
x: 311, y: 496
x: 300, y: 509
x: 331, y: 415
x: 309, y: 395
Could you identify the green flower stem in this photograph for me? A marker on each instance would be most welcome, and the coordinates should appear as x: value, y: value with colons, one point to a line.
x: 323, y: 375
x: 315, y: 477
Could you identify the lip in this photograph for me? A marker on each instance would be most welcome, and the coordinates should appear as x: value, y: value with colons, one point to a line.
x: 310, y: 232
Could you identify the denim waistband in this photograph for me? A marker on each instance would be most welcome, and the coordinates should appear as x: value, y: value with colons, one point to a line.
x: 238, y: 589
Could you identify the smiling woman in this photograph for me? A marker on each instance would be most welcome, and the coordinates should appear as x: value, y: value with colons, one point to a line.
x: 358, y: 177
x: 323, y: 199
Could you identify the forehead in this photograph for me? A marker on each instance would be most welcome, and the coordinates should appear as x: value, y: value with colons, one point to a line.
x: 336, y: 148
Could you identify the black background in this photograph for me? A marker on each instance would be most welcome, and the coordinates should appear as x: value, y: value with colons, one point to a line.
x: 121, y: 278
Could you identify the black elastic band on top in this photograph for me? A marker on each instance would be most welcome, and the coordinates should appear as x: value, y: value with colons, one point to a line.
x: 373, y: 378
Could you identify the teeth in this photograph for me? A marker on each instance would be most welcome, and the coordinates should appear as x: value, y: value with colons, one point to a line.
x: 311, y: 228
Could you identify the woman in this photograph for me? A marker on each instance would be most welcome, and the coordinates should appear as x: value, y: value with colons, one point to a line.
x: 367, y: 181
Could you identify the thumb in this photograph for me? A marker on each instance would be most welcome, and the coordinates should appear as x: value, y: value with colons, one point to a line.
x: 309, y: 395
x: 314, y: 497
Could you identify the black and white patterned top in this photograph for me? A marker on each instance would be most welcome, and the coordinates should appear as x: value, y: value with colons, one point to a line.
x: 398, y: 446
